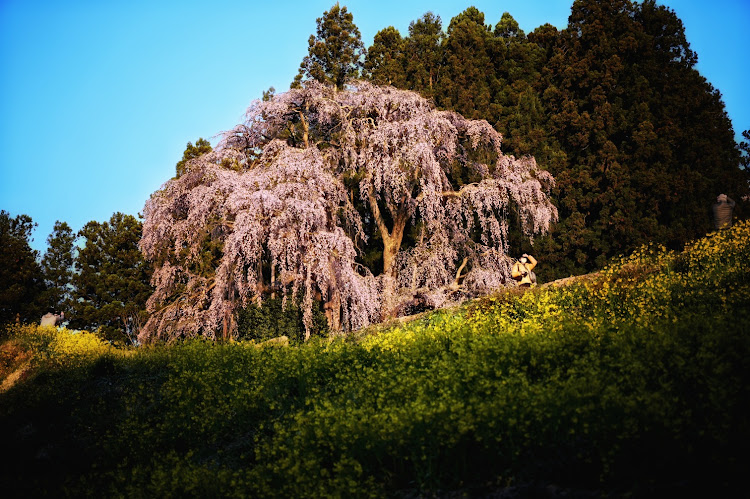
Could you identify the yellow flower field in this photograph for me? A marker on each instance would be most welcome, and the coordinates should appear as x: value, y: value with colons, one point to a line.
x: 631, y: 382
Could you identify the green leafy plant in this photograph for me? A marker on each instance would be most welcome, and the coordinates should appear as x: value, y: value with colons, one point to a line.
x: 272, y: 320
x: 631, y: 382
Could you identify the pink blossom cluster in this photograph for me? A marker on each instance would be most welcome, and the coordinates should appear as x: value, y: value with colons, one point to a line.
x: 268, y: 211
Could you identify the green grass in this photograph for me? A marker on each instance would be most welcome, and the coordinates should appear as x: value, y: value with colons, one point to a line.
x: 633, y: 383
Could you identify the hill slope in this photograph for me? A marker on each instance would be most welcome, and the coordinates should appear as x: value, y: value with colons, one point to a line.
x: 634, y: 382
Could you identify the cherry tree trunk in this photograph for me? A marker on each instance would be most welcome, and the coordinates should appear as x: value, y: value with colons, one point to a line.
x: 392, y: 245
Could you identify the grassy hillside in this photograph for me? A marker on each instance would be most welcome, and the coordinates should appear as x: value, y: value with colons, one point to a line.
x: 634, y: 382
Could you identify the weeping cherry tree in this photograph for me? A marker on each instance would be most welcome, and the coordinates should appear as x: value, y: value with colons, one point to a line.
x: 289, y: 200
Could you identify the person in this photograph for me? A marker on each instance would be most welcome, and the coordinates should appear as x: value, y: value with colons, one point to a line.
x: 522, y: 271
x: 54, y: 320
x: 723, y: 211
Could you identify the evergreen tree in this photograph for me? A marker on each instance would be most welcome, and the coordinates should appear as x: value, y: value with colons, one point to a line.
x: 648, y: 142
x: 112, y: 279
x: 335, y: 53
x: 687, y: 110
x: 465, y: 80
x: 21, y: 280
x: 268, y: 94
x: 57, y: 268
x: 423, y: 52
x: 201, y: 147
x: 508, y: 28
x: 386, y: 59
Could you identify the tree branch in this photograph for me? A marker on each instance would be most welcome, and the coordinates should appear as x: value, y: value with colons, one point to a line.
x: 450, y: 194
x: 461, y: 268
x: 384, y: 232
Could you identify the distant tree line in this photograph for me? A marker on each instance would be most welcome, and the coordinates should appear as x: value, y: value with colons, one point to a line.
x: 100, y: 284
x: 96, y: 278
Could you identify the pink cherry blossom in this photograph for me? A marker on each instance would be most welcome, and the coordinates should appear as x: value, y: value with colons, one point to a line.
x: 268, y: 211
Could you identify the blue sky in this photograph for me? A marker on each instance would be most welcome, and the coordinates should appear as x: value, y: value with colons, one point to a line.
x: 99, y: 98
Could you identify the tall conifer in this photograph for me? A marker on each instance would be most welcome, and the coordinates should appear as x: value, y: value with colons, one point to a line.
x: 335, y: 53
x: 57, y: 267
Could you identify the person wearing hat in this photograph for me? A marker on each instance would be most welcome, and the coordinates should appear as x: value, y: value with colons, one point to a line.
x: 723, y: 211
x: 522, y: 271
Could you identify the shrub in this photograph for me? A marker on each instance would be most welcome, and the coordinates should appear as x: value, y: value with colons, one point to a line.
x: 272, y: 319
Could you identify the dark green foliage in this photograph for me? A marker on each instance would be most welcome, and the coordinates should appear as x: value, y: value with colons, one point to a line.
x: 385, y: 59
x: 745, y: 149
x: 57, y: 267
x: 468, y: 72
x: 272, y: 320
x: 423, y: 51
x: 336, y: 52
x: 508, y: 27
x: 201, y: 147
x: 112, y: 280
x: 648, y: 142
x: 268, y: 94
x: 639, y: 142
x: 21, y: 280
